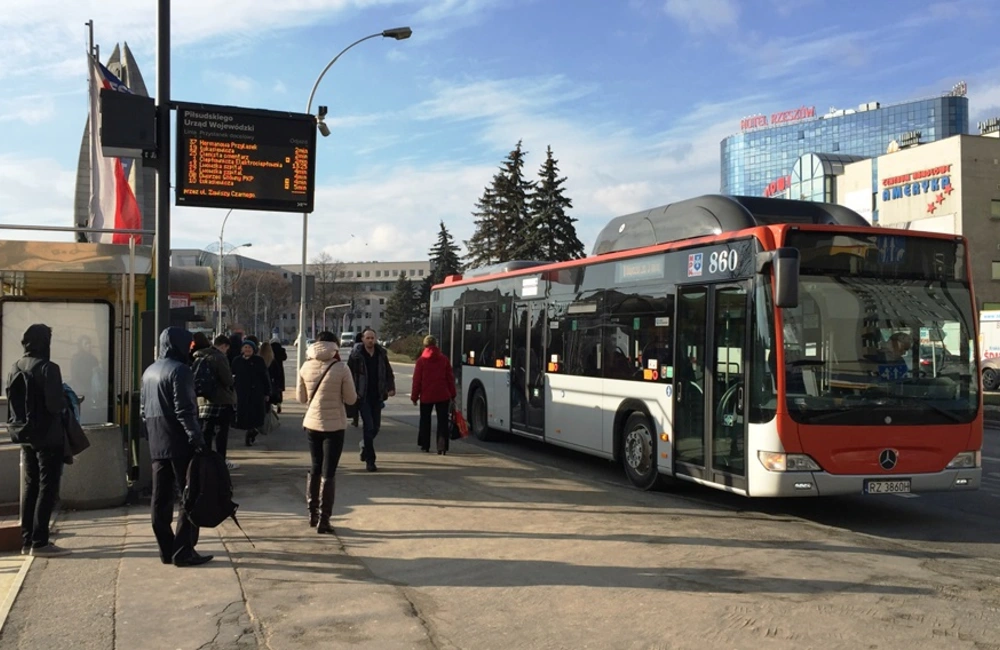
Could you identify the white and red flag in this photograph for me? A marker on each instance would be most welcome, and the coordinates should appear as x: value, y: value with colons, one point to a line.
x: 112, y: 200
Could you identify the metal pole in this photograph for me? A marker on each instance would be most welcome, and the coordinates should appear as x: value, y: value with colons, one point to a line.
x: 300, y: 355
x: 162, y: 313
x: 220, y: 279
x: 126, y: 231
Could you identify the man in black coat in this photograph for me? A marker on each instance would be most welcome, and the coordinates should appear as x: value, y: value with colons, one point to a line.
x: 42, y: 455
x: 170, y: 412
x: 375, y: 383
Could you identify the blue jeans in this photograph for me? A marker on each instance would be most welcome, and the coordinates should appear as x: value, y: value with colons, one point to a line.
x: 371, y: 416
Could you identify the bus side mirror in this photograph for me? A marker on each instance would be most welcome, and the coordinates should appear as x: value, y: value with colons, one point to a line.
x: 786, y: 277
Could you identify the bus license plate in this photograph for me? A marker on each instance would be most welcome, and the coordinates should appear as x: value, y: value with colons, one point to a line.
x: 886, y: 487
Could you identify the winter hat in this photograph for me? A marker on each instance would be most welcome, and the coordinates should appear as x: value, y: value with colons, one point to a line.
x: 251, y: 343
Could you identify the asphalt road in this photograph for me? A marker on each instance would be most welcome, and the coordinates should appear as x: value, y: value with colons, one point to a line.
x: 967, y: 523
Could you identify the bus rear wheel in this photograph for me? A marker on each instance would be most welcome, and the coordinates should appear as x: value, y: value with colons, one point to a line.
x: 639, y: 452
x: 479, y: 417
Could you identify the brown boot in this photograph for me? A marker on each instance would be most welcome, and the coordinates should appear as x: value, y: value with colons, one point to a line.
x: 312, y: 498
x: 328, y: 490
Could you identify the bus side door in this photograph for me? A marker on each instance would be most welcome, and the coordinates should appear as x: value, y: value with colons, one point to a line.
x: 527, y: 370
x: 711, y: 365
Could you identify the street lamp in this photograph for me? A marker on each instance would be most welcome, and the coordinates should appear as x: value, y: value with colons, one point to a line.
x: 219, y: 283
x: 343, y: 304
x: 398, y: 33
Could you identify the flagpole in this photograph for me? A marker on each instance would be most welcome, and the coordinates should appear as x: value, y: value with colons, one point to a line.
x: 91, y: 55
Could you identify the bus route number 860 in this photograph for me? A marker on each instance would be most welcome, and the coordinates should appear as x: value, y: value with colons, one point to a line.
x: 723, y: 261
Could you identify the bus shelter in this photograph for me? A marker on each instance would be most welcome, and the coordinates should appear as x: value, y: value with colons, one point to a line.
x: 92, y: 296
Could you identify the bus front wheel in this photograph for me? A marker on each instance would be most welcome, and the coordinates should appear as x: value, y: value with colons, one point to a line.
x: 639, y: 452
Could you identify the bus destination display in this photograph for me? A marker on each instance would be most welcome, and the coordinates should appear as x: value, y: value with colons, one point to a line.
x: 245, y: 159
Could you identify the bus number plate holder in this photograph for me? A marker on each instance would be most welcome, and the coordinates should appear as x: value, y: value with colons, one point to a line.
x: 882, y: 486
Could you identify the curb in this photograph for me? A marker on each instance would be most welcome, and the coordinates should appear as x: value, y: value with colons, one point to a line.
x: 15, y: 589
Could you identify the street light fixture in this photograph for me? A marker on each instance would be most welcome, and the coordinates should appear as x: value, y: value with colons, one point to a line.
x: 399, y: 34
x: 220, y: 283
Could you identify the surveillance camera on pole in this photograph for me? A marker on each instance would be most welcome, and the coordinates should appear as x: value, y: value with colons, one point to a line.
x: 321, y: 124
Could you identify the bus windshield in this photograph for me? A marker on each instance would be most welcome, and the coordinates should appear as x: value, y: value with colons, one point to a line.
x: 888, y: 346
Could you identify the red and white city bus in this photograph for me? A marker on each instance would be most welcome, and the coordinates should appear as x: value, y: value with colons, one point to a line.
x: 765, y: 347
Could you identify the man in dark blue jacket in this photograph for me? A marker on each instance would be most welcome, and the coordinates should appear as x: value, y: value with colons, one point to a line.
x: 169, y: 410
x: 42, y: 456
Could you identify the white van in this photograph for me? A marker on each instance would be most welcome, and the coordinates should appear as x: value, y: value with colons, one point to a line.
x: 347, y: 339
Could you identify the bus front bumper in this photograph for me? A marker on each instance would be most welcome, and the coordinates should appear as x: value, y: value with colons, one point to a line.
x: 799, y: 484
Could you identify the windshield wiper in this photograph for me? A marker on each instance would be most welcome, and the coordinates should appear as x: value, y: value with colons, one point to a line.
x: 806, y: 362
x: 937, y: 409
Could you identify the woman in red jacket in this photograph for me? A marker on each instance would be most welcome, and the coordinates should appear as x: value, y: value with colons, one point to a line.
x: 434, y: 388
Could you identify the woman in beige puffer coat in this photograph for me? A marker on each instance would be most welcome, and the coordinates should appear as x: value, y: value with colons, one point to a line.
x: 326, y: 385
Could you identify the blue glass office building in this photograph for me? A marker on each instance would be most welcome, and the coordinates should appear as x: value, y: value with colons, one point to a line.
x: 764, y: 153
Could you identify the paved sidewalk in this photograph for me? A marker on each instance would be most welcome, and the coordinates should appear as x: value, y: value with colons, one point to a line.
x: 476, y: 550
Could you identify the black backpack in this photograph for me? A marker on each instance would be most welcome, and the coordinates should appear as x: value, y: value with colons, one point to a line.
x: 205, y: 384
x: 25, y: 420
x: 208, y: 495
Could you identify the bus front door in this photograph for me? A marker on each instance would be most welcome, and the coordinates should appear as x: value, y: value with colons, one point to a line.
x: 527, y: 373
x: 710, y: 369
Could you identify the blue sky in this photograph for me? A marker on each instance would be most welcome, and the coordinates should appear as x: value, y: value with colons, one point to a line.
x: 632, y: 95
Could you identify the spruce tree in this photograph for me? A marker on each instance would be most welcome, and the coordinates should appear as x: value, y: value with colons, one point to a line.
x: 482, y: 247
x: 444, y: 257
x: 551, y: 235
x: 402, y: 311
x: 501, y: 214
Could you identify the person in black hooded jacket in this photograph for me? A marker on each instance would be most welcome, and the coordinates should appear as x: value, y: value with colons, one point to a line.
x: 169, y: 410
x: 42, y: 459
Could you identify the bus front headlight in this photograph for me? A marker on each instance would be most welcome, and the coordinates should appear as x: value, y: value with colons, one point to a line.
x: 966, y: 460
x: 774, y: 461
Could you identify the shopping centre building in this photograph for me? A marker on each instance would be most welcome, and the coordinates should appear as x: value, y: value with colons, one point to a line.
x: 951, y: 186
x: 761, y: 159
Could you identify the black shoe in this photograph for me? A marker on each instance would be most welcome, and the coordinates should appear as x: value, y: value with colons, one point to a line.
x: 194, y: 560
x: 426, y: 450
x: 250, y: 440
x: 371, y: 467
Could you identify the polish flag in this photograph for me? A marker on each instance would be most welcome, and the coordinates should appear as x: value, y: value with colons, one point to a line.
x: 112, y: 201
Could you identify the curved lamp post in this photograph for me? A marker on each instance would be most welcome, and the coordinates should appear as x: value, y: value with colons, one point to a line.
x: 398, y: 33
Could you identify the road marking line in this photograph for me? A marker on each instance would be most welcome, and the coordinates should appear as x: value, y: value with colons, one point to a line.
x: 906, y: 495
x: 995, y: 460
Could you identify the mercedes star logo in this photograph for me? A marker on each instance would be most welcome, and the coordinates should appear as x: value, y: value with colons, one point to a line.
x: 887, y: 459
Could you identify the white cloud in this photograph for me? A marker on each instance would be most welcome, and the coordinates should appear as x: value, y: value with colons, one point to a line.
x: 279, y: 87
x: 60, y: 25
x: 238, y: 84
x: 984, y: 100
x: 702, y: 16
x: 35, y: 191
x: 389, y: 207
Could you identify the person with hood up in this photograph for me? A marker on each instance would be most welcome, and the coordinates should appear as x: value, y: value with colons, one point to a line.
x: 325, y: 385
x: 277, y: 372
x: 434, y: 387
x: 253, y: 389
x: 42, y: 457
x: 375, y: 383
x: 168, y: 408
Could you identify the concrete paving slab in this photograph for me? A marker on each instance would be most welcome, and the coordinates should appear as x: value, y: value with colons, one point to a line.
x: 479, y: 550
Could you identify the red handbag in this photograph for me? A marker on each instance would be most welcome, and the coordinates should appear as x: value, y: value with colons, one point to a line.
x: 459, y: 421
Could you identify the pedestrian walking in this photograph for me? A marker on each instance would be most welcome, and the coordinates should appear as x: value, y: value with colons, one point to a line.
x: 353, y: 410
x: 434, y: 387
x: 215, y: 410
x: 35, y: 403
x: 169, y: 410
x: 326, y: 385
x: 375, y: 383
x: 253, y: 390
x: 277, y: 372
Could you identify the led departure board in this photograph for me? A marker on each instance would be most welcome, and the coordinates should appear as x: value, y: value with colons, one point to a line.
x: 245, y: 159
